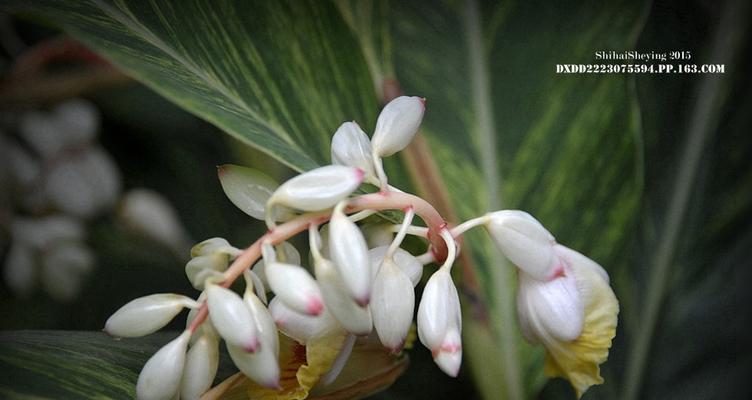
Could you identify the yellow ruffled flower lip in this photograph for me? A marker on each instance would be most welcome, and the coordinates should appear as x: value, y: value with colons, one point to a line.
x: 579, y: 360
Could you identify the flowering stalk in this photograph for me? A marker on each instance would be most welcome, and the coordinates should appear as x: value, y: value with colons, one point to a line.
x: 359, y: 288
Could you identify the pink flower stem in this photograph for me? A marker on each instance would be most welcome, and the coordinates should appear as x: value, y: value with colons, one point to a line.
x: 389, y: 200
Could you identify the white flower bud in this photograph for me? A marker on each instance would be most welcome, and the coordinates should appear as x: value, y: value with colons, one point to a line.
x: 146, y: 315
x: 213, y: 246
x: 200, y: 369
x: 265, y: 324
x: 288, y: 254
x: 295, y: 286
x: 449, y: 355
x: 77, y: 120
x: 550, y: 309
x: 198, y: 269
x: 301, y: 327
x: 231, y: 318
x: 348, y: 251
x: 439, y: 310
x: 262, y: 367
x: 42, y: 134
x: 44, y: 232
x: 525, y: 242
x: 407, y: 262
x: 151, y: 215
x: 351, y: 147
x: 85, y: 184
x: 317, y: 189
x: 354, y: 318
x: 64, y: 268
x: 392, y: 305
x: 160, y: 377
x: 397, y: 125
x: 20, y: 271
x: 248, y: 189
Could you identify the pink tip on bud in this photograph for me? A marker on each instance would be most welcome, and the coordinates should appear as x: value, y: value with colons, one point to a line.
x: 423, y: 101
x: 252, y: 346
x: 397, y: 349
x: 363, y: 301
x: 315, y: 306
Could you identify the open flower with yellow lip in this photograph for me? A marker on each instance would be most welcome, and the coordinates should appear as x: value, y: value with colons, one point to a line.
x: 564, y: 300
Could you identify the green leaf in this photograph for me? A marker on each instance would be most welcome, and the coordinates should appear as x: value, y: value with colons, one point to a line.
x: 75, y: 365
x: 281, y: 76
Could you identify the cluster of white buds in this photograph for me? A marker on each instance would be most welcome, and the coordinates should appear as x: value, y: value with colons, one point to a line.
x: 58, y: 177
x: 350, y: 289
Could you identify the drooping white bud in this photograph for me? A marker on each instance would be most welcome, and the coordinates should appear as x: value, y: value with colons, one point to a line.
x: 262, y: 367
x: 351, y: 147
x: 151, y: 215
x: 295, y: 286
x: 42, y: 134
x: 64, y: 268
x: 200, y: 369
x: 550, y: 309
x: 265, y: 324
x: 44, y: 232
x: 213, y: 246
x: 20, y: 271
x: 525, y: 242
x: 85, y: 184
x: 198, y: 269
x: 288, y: 254
x: 301, y: 327
x: 439, y: 311
x: 77, y: 120
x: 231, y: 318
x: 146, y: 315
x: 348, y: 251
x: 397, y: 125
x: 354, y: 318
x: 392, y: 304
x: 161, y: 375
x: 440, y: 322
x: 449, y: 355
x: 317, y: 189
x: 407, y: 262
x: 248, y: 189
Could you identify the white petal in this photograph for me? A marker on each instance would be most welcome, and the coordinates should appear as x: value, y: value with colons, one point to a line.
x: 198, y: 269
x: 397, y: 125
x: 24, y: 168
x: 262, y: 367
x: 146, y: 315
x: 20, y: 270
x: 232, y: 318
x: 392, y: 305
x: 247, y: 188
x: 64, y: 268
x: 407, y: 262
x: 449, y: 355
x: 551, y: 309
x: 354, y: 318
x: 200, y: 368
x: 301, y: 327
x: 318, y: 189
x: 439, y: 310
x: 160, y: 377
x: 525, y: 242
x: 206, y: 327
x: 151, y: 215
x: 296, y: 287
x: 351, y: 147
x: 348, y: 251
x: 574, y: 257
